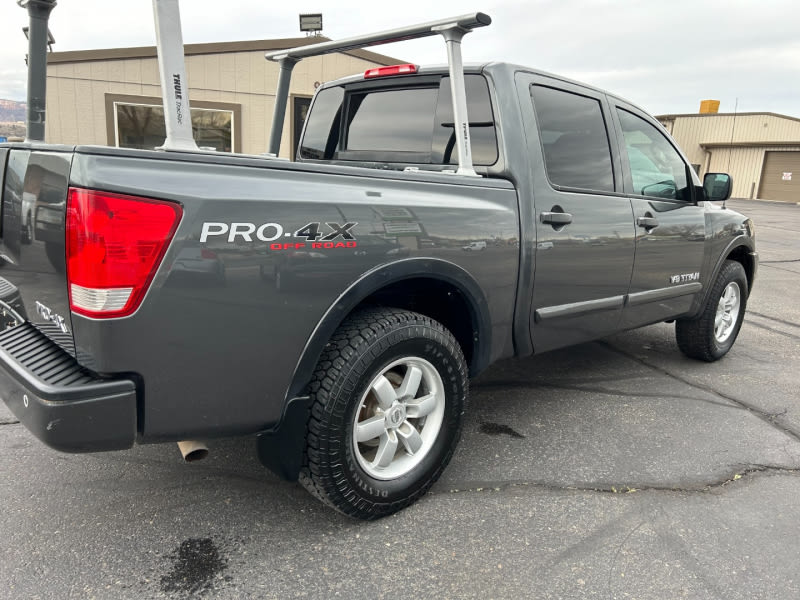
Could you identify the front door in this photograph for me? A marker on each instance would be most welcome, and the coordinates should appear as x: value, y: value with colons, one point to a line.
x: 584, y: 224
x: 670, y: 226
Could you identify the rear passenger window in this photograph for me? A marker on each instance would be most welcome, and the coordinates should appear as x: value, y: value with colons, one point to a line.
x: 399, y: 124
x: 575, y: 141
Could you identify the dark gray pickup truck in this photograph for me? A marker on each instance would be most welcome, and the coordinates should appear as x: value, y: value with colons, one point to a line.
x: 336, y: 306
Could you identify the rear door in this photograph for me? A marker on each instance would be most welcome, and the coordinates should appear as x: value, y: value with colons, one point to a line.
x: 583, y: 220
x: 670, y: 226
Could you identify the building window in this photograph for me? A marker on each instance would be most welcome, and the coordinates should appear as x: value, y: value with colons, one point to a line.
x: 138, y: 122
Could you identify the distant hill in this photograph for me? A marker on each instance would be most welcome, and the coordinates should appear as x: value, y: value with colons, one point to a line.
x: 12, y: 117
x: 12, y: 111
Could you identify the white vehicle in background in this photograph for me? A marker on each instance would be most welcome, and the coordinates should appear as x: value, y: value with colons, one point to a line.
x: 474, y: 246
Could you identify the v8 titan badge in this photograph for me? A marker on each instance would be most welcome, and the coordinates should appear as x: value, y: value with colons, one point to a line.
x: 271, y: 232
x: 684, y: 277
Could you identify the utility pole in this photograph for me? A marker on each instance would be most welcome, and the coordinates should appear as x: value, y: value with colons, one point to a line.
x: 39, y: 14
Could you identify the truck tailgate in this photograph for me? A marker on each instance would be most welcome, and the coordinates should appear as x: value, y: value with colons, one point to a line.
x: 33, y: 284
x: 41, y: 380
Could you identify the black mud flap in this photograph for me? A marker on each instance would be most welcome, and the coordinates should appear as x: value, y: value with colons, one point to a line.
x: 281, y: 449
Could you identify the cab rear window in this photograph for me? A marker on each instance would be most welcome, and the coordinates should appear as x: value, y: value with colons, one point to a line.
x: 411, y: 124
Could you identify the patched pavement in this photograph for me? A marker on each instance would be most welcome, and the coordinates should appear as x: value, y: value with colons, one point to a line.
x: 616, y: 469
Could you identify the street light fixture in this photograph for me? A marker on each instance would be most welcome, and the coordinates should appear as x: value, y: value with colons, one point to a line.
x: 311, y: 23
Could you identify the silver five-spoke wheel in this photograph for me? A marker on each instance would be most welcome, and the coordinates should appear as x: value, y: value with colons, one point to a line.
x: 398, y: 418
x: 727, y: 312
x: 387, y: 400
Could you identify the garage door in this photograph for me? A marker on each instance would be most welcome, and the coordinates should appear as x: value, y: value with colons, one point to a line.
x: 780, y: 178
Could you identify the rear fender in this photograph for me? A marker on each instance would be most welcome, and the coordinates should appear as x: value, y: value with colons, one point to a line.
x: 380, y: 277
x: 281, y: 448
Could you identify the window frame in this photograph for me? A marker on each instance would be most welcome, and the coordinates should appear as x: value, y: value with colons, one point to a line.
x: 112, y: 133
x: 691, y: 182
x: 297, y: 136
x: 611, y: 132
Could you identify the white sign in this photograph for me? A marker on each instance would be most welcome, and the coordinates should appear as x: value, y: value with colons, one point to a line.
x: 787, y: 177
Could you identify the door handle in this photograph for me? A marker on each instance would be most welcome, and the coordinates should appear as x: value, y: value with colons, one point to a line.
x: 555, y: 218
x: 647, y: 222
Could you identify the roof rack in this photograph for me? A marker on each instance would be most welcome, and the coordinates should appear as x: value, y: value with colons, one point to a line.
x: 172, y: 70
x: 452, y: 30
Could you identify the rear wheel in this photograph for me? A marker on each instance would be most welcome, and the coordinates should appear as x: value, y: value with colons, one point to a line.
x: 387, y: 399
x: 713, y: 334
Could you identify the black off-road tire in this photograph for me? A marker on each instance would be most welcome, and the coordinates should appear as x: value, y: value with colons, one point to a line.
x: 696, y: 336
x: 364, y: 345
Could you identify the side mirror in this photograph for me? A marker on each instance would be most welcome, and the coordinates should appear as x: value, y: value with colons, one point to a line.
x: 717, y: 186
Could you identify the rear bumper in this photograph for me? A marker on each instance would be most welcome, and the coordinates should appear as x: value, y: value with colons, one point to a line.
x: 66, y: 406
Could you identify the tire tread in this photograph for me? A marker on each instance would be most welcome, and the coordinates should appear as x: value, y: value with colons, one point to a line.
x: 366, y: 331
x: 695, y: 337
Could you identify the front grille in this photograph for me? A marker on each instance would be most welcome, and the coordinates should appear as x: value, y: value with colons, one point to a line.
x: 42, y: 357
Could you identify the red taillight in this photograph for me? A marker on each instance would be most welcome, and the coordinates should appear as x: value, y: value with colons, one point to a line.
x: 115, y: 244
x: 393, y: 70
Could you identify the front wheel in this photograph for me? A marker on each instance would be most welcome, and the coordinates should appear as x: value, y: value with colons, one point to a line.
x: 712, y: 335
x: 387, y: 399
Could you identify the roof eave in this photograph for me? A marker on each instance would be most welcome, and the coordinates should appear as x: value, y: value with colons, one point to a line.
x: 105, y: 54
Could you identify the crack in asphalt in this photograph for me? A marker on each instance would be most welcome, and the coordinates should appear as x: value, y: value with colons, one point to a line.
x: 598, y: 390
x: 769, y: 418
x: 772, y: 262
x: 9, y: 422
x: 793, y: 336
x: 765, y: 226
x: 767, y: 266
x: 743, y: 473
x: 763, y: 316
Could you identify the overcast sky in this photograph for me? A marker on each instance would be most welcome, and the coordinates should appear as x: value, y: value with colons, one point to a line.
x: 665, y: 56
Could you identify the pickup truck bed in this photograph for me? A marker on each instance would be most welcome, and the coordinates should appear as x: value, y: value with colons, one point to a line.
x: 220, y: 335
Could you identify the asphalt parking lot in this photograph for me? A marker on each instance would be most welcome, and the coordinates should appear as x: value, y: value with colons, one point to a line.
x: 616, y: 469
